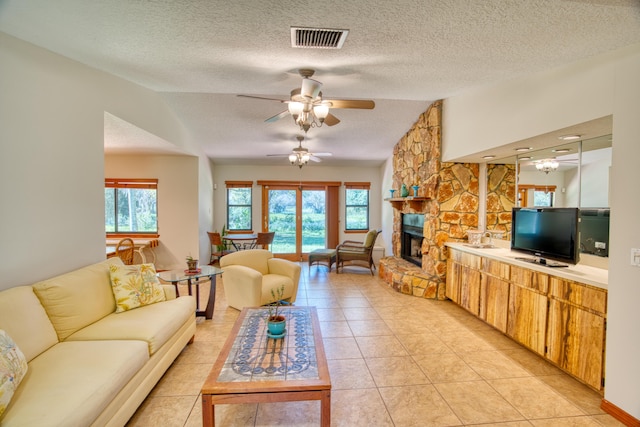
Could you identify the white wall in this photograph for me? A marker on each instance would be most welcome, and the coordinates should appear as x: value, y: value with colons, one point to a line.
x: 597, y: 87
x: 386, y: 172
x: 222, y: 173
x: 177, y: 201
x: 51, y: 157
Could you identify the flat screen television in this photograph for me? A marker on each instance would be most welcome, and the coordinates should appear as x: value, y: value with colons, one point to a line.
x: 547, y: 234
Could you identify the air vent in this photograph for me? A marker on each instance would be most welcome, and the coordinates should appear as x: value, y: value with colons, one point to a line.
x: 317, y: 38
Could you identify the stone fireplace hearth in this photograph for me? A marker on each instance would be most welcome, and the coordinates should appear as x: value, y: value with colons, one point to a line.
x: 447, y: 201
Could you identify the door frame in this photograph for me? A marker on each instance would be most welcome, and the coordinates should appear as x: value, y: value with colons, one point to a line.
x: 332, y: 191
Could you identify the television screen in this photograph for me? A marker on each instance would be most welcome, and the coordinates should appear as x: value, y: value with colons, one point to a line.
x: 546, y: 233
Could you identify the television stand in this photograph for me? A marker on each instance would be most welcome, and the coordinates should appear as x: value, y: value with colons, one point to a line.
x: 542, y: 261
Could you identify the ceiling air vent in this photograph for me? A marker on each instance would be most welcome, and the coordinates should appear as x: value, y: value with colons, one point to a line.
x: 317, y: 38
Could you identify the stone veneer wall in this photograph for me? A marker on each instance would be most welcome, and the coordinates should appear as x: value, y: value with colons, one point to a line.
x: 501, y: 197
x: 452, y: 207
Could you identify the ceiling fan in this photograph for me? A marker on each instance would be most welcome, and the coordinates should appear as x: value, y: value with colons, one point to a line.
x: 300, y: 155
x: 307, y: 107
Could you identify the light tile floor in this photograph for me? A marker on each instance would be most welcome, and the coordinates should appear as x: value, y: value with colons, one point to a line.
x: 394, y: 360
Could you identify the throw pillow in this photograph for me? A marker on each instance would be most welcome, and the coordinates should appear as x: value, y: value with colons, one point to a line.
x: 135, y: 286
x: 13, y: 367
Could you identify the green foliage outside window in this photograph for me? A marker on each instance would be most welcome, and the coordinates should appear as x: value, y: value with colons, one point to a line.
x: 131, y: 210
x: 239, y: 208
x: 357, y: 209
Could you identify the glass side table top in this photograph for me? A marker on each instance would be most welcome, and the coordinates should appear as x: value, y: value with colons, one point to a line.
x: 180, y: 275
x: 256, y: 357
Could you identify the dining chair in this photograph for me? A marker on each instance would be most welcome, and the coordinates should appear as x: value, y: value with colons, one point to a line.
x: 263, y: 240
x: 218, y: 247
x: 124, y: 250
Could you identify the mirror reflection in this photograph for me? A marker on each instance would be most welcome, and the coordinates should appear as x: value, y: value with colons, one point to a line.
x: 573, y: 174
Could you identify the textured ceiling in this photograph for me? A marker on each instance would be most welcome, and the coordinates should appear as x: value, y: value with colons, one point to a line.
x: 404, y: 54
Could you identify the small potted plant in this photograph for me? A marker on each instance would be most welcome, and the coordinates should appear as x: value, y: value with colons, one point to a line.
x: 192, y: 264
x: 276, y: 322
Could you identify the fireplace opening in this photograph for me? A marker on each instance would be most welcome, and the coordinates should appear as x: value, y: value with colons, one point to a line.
x: 412, y: 235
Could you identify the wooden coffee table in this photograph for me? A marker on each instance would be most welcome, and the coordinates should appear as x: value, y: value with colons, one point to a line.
x: 252, y: 368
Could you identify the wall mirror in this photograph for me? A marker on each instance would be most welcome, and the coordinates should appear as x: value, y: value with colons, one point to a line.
x: 572, y: 174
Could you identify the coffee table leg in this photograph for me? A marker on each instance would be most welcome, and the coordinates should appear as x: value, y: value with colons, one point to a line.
x: 325, y: 409
x: 207, y: 412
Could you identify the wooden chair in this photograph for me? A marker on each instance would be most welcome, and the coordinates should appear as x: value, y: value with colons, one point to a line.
x: 263, y: 240
x: 124, y: 250
x: 357, y: 253
x: 218, y: 247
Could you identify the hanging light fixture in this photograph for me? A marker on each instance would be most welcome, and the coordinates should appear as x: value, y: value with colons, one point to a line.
x: 306, y: 106
x: 300, y: 156
x: 547, y: 165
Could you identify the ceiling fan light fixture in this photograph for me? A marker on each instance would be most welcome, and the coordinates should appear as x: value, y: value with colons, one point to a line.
x: 548, y: 165
x: 295, y: 109
x: 310, y: 89
x: 321, y: 111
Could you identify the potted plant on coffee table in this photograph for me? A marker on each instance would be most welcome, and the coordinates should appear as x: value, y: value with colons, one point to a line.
x: 192, y: 264
x: 276, y: 322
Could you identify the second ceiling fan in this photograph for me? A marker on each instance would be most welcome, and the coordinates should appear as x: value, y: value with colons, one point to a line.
x: 307, y: 107
x: 300, y: 155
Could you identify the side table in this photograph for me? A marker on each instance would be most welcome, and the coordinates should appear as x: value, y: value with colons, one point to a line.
x: 177, y: 276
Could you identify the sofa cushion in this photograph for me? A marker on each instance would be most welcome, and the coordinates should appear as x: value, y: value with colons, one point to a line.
x: 87, y: 376
x: 24, y: 319
x: 154, y: 324
x: 135, y: 286
x: 13, y: 367
x: 78, y: 298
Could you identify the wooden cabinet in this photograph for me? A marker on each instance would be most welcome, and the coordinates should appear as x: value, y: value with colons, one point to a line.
x: 576, y: 332
x: 463, y: 280
x: 527, y: 314
x: 561, y: 320
x: 494, y: 293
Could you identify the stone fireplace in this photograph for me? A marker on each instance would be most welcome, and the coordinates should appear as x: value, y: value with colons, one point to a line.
x: 447, y: 202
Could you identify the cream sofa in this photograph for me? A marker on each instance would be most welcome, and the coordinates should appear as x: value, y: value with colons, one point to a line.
x: 249, y: 276
x: 87, y: 365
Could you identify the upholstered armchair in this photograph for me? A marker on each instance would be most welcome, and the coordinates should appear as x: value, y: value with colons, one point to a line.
x: 357, y: 253
x: 249, y: 276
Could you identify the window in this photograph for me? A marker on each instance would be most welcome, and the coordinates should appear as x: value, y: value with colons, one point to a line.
x: 131, y: 206
x: 542, y: 198
x: 356, y: 206
x: 239, y: 205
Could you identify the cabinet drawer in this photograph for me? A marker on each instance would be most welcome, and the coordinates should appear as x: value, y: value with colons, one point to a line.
x: 530, y: 279
x: 496, y: 268
x: 464, y: 258
x: 580, y: 295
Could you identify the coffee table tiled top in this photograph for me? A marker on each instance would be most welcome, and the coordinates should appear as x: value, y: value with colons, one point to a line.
x: 252, y: 368
x: 255, y: 357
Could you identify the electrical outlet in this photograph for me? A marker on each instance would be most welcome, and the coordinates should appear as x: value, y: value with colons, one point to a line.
x: 601, y: 245
x: 635, y: 257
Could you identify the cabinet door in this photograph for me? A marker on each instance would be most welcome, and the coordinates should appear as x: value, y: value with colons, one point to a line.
x: 527, y: 317
x: 494, y: 301
x: 575, y: 341
x: 470, y: 289
x: 452, y: 284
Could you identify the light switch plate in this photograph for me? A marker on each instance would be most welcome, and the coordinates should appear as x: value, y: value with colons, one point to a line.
x: 635, y: 257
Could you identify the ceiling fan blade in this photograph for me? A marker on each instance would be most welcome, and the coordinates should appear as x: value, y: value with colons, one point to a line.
x: 331, y: 120
x: 352, y: 103
x: 314, y: 159
x: 262, y: 97
x: 277, y: 155
x: 277, y: 117
x: 322, y: 154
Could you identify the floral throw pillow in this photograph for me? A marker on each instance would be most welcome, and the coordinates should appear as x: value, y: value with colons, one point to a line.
x: 135, y: 286
x: 13, y: 367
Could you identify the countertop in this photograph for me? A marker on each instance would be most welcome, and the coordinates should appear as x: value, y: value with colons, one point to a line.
x: 593, y: 276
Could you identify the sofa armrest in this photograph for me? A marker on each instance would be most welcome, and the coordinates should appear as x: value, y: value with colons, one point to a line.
x: 242, y: 286
x: 169, y: 291
x: 286, y: 268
